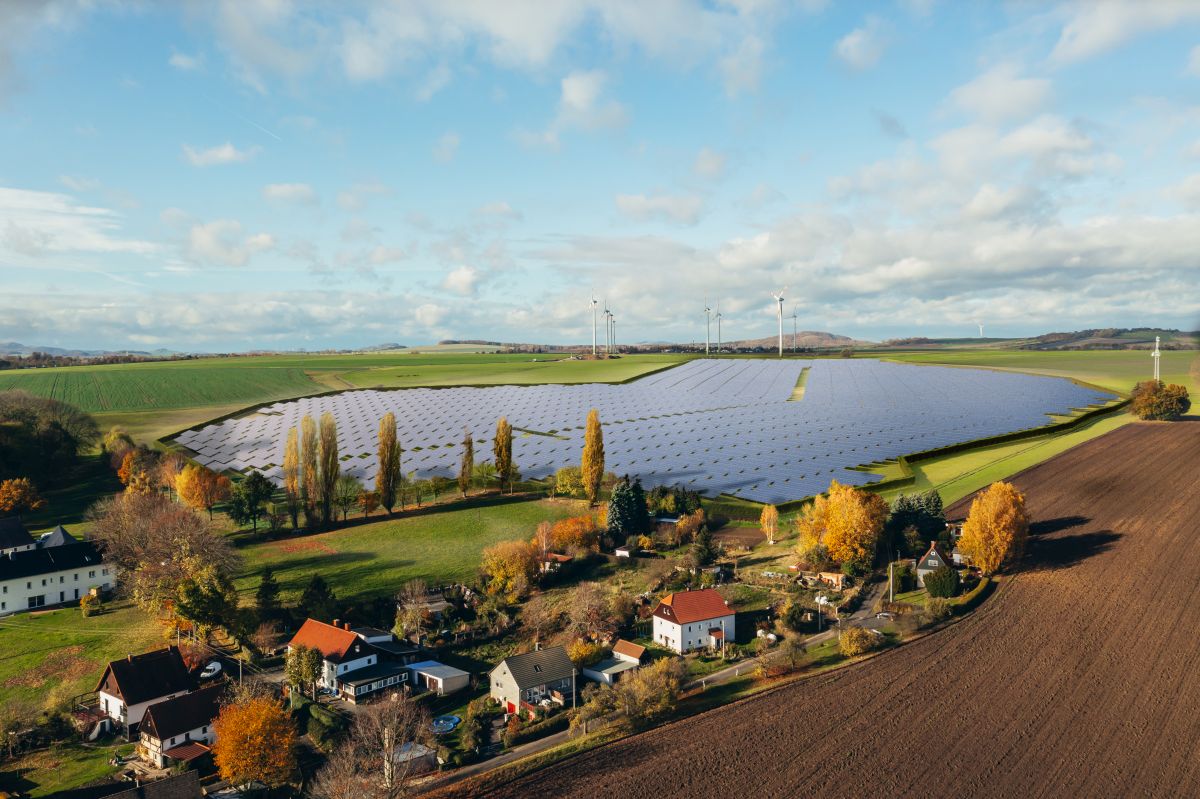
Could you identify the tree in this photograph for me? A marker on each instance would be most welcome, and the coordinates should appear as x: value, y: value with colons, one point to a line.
x: 291, y: 477
x: 206, y: 601
x: 509, y: 569
x: 19, y: 495
x: 42, y: 438
x: 854, y: 641
x: 768, y: 520
x: 704, y: 550
x: 1155, y: 400
x: 346, y: 492
x: 170, y: 464
x: 310, y: 470
x: 651, y: 692
x: 246, y: 504
x: 484, y: 474
x: 847, y: 523
x: 502, y: 453
x: 116, y: 440
x: 627, y: 513
x: 576, y: 532
x: 266, y: 598
x: 137, y: 470
x: 317, y: 601
x: 327, y: 448
x: 942, y: 582
x: 90, y: 605
x: 996, y: 527
x: 543, y: 539
x: 157, y: 545
x: 368, y: 501
x: 688, y: 525
x: 568, y: 481
x: 371, y: 763
x: 589, y: 613
x: 201, y: 488
x: 388, y: 479
x: 540, y: 616
x: 592, y: 467
x: 466, y: 467
x: 266, y: 637
x: 255, y: 743
x: 302, y: 667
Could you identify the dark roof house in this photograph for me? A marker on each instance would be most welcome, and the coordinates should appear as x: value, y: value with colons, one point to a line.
x: 183, y: 786
x: 540, y: 666
x: 32, y: 562
x: 140, y: 678
x: 56, y: 538
x: 932, y: 560
x: 173, y: 717
x: 13, y: 533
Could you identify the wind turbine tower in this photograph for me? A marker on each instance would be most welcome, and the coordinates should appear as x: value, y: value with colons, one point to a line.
x: 718, y: 327
x: 707, y: 325
x: 779, y: 299
x: 593, y: 327
x: 607, y: 330
x: 794, y: 336
x: 981, y: 329
x: 1157, y: 356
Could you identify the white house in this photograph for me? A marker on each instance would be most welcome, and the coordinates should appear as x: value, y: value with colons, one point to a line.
x: 180, y: 730
x: 131, y: 685
x: 352, y: 666
x: 689, y: 620
x: 39, y: 577
x: 626, y: 656
x: 521, y: 682
x: 930, y: 562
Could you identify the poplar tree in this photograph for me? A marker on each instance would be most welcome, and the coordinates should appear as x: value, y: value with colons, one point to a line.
x: 388, y: 479
x: 466, y: 469
x: 291, y: 475
x: 309, y: 474
x: 593, y: 457
x: 502, y: 452
x: 330, y: 466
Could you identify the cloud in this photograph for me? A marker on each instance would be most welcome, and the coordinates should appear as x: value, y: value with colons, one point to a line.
x: 430, y: 314
x: 437, y: 79
x: 741, y: 70
x: 296, y: 193
x: 1193, y: 62
x: 356, y: 197
x: 464, y: 280
x: 446, y: 147
x: 221, y: 154
x: 709, y: 163
x: 381, y: 255
x: 78, y: 183
x: 1094, y: 27
x: 222, y: 243
x: 500, y: 210
x: 185, y: 62
x: 36, y: 223
x: 1001, y: 95
x: 684, y: 209
x: 861, y: 48
x: 890, y: 125
x: 581, y: 106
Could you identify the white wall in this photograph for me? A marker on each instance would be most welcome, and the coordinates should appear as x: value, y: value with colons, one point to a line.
x: 155, y: 747
x: 62, y: 587
x: 687, y: 637
x: 115, y: 709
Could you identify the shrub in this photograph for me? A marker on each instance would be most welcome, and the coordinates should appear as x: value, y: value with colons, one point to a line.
x: 942, y: 582
x: 1153, y: 399
x: 856, y: 641
x: 90, y: 605
x: 794, y: 617
x: 936, y: 609
x: 532, y: 732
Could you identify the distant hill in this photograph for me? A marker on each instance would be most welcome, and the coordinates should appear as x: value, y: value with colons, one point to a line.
x: 1138, y: 338
x: 17, y: 348
x: 804, y: 339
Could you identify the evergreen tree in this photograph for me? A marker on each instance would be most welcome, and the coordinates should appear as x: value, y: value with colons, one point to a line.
x: 267, y: 596
x: 466, y: 468
x: 704, y: 550
x: 627, y: 514
x: 317, y: 601
x: 592, y: 466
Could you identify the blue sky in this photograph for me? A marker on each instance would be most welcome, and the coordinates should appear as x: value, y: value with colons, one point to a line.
x: 260, y: 174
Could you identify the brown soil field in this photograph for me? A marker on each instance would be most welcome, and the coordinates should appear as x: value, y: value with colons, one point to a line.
x: 1079, y: 677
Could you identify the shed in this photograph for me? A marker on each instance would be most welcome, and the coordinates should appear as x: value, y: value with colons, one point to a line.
x: 438, y: 677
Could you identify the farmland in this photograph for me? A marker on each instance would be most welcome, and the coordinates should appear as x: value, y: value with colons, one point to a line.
x: 1072, y: 680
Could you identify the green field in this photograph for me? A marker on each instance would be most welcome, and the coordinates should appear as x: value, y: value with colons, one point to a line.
x: 484, y: 372
x: 377, y: 558
x: 65, y: 767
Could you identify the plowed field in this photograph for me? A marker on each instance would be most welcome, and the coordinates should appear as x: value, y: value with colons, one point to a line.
x: 1080, y: 677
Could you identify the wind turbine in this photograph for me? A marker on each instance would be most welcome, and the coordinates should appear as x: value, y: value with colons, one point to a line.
x: 707, y: 325
x: 793, y: 329
x: 593, y: 325
x: 613, y: 322
x: 607, y: 330
x: 779, y: 299
x: 1157, y: 356
x: 981, y: 329
x: 718, y: 327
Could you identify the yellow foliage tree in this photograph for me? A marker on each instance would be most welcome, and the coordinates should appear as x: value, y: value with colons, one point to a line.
x: 768, y: 520
x: 592, y: 466
x: 255, y: 743
x: 291, y: 476
x: 847, y: 522
x: 201, y: 488
x: 18, y: 495
x: 996, y: 527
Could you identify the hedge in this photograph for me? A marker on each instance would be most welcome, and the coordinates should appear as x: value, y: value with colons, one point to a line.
x: 970, y: 600
x: 541, y: 729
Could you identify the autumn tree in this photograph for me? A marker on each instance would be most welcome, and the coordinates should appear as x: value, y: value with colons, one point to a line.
x: 387, y: 482
x: 202, y: 488
x: 368, y: 501
x: 302, y: 667
x: 592, y: 465
x: 346, y: 492
x: 371, y: 762
x: 291, y: 477
x: 575, y: 533
x: 768, y: 520
x: 540, y: 616
x: 996, y: 527
x: 466, y: 467
x: 590, y: 613
x: 116, y: 441
x: 310, y: 470
x: 502, y: 452
x: 331, y: 467
x: 854, y: 641
x: 509, y: 569
x: 568, y: 481
x: 19, y: 495
x: 847, y: 522
x: 543, y: 538
x: 255, y: 742
x: 1156, y: 400
x: 170, y: 464
x: 138, y: 469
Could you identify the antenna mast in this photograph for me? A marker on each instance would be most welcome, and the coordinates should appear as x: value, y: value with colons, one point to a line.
x: 1157, y: 356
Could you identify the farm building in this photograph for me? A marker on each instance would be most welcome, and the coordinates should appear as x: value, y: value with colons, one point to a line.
x: 931, y: 561
x: 521, y: 682
x: 429, y: 675
x: 33, y: 577
x: 689, y: 620
x: 14, y: 537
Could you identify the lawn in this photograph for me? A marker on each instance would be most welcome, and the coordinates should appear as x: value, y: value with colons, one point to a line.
x: 59, y: 654
x: 488, y: 371
x: 47, y: 772
x: 91, y: 479
x: 373, y: 559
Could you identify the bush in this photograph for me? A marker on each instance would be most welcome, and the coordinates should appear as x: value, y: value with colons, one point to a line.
x: 1153, y: 399
x: 90, y: 605
x: 532, y: 732
x: 794, y: 617
x: 936, y: 609
x: 970, y: 600
x: 942, y: 582
x: 856, y: 641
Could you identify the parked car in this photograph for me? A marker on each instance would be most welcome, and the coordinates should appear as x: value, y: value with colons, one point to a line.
x: 211, y: 670
x: 885, y: 615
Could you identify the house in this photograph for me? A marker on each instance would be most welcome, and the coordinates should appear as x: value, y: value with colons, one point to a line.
x: 14, y: 537
x: 626, y: 657
x: 429, y: 675
x: 521, y: 682
x: 33, y: 577
x: 835, y: 580
x: 56, y: 538
x: 181, y: 786
x: 931, y: 561
x: 180, y: 730
x: 389, y: 647
x: 552, y: 562
x: 352, y: 667
x: 960, y: 558
x: 131, y: 685
x: 688, y: 620
x: 625, y: 551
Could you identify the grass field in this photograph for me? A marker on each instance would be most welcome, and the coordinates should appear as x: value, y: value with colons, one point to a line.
x: 377, y: 558
x: 51, y: 771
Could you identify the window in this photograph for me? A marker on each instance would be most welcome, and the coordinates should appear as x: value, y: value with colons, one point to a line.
x: 43, y: 582
x: 3, y: 605
x: 37, y: 601
x: 104, y: 572
x: 28, y: 585
x: 92, y: 573
x: 537, y: 668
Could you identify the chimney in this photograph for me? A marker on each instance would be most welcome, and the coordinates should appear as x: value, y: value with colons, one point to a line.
x: 337, y: 622
x: 129, y: 657
x: 347, y: 625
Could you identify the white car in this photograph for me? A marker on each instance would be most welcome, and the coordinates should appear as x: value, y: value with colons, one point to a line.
x: 211, y: 670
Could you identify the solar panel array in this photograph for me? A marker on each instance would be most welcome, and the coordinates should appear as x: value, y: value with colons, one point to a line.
x: 718, y: 426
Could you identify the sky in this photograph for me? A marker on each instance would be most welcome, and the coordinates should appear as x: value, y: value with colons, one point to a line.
x: 277, y: 174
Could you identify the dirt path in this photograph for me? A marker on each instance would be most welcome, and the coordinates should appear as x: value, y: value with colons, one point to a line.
x: 1081, y: 677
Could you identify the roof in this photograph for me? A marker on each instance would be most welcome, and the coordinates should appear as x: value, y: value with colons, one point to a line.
x: 150, y: 675
x: 57, y: 538
x: 717, y: 632
x: 188, y: 751
x: 554, y: 557
x: 628, y: 649
x: 538, y: 667
x: 933, y: 559
x: 183, y: 786
x: 395, y: 648
x: 688, y: 607
x: 366, y: 674
x: 335, y: 643
x: 35, y: 562
x: 610, y: 666
x: 13, y: 533
x: 435, y: 669
x: 176, y: 716
x: 368, y: 632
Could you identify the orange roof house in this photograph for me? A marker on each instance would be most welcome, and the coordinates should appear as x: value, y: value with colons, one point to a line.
x: 689, y: 607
